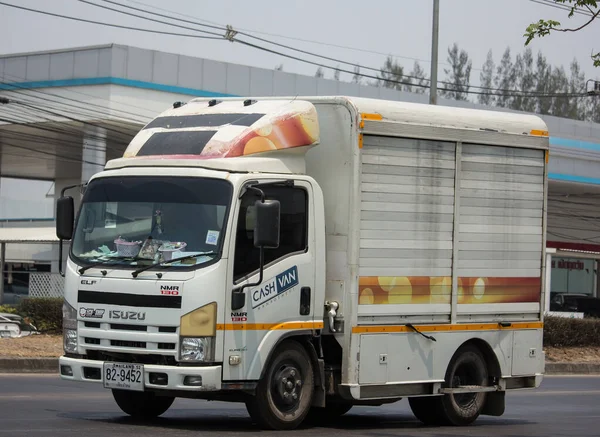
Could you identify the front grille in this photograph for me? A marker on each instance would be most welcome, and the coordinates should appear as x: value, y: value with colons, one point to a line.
x: 170, y: 329
x: 120, y: 357
x: 166, y: 346
x: 122, y: 327
x: 89, y: 340
x: 129, y: 300
x: 125, y: 343
x: 92, y: 325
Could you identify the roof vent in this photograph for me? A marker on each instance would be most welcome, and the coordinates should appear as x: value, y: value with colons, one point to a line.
x: 249, y: 102
x: 214, y: 102
x: 178, y: 104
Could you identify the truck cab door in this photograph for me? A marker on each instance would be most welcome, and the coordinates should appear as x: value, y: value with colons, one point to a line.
x: 283, y: 303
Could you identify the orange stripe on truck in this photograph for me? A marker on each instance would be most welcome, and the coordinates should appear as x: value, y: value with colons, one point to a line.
x: 447, y: 328
x: 268, y: 326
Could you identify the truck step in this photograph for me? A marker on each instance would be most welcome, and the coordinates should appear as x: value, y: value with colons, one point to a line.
x: 470, y: 389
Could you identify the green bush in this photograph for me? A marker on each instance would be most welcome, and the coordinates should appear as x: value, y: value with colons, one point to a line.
x: 563, y: 332
x: 8, y: 309
x: 45, y: 313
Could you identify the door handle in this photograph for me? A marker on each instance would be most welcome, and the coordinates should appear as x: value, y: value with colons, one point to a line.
x: 305, y: 301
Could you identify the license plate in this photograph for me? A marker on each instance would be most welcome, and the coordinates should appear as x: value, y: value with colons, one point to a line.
x: 124, y: 376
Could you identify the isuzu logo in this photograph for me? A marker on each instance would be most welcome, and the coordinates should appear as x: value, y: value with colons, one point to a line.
x: 87, y: 282
x: 127, y: 315
x: 91, y: 313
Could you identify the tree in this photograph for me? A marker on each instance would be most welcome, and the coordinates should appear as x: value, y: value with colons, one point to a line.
x: 486, y: 77
x: 577, y: 107
x: 524, y: 81
x: 390, y: 74
x: 588, y: 8
x: 504, y: 80
x: 419, y: 79
x: 560, y: 83
x: 543, y: 85
x: 336, y: 73
x: 319, y: 73
x: 356, y: 77
x: 459, y: 74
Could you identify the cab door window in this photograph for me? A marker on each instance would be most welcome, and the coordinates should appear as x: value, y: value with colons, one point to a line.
x: 293, y: 229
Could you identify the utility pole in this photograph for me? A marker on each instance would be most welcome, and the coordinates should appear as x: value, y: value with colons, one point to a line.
x: 435, y: 32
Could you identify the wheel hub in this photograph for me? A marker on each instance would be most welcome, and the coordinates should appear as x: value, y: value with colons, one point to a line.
x: 287, y: 387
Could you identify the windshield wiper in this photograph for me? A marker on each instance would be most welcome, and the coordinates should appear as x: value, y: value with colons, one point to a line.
x: 107, y: 262
x: 135, y: 273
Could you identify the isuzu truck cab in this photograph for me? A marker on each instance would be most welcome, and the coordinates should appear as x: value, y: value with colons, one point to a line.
x: 303, y: 255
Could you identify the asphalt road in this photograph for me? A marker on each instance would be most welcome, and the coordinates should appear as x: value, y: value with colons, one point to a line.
x: 43, y: 405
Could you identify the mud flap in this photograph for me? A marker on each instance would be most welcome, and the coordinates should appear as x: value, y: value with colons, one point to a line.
x: 494, y: 404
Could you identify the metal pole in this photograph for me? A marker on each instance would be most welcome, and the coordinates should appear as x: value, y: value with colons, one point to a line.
x: 2, y: 259
x: 434, y: 52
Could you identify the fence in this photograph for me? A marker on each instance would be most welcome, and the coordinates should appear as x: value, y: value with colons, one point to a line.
x: 46, y: 285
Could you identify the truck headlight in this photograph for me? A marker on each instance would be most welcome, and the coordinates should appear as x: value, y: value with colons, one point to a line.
x: 69, y: 328
x: 69, y: 316
x: 70, y: 340
x: 197, y: 330
x: 197, y: 349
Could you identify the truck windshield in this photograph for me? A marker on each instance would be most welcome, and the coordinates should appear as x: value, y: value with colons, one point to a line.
x: 136, y: 221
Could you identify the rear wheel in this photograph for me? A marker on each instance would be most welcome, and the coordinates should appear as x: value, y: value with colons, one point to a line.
x: 142, y: 405
x: 332, y: 411
x: 284, y: 394
x: 467, y: 367
x: 427, y: 409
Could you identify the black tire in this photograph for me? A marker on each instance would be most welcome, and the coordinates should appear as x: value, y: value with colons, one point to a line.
x: 427, y: 409
x: 284, y: 394
x: 467, y: 367
x: 142, y: 405
x: 332, y: 411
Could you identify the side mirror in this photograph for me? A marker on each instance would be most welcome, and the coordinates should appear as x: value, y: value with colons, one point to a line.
x: 266, y: 228
x: 65, y: 217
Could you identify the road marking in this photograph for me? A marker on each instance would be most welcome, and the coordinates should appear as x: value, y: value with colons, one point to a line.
x: 554, y: 392
x: 45, y: 396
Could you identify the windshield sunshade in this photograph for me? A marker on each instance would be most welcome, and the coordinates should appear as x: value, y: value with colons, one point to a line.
x: 176, y: 143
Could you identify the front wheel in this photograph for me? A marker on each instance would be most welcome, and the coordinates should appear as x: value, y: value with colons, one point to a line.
x: 332, y: 411
x: 284, y: 394
x: 142, y: 405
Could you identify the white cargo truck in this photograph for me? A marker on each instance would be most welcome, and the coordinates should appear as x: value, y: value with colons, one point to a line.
x: 304, y: 255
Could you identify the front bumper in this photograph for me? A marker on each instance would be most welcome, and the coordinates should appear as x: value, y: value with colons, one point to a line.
x: 91, y: 371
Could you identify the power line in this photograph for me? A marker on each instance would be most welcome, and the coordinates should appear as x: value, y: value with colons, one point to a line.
x: 321, y: 43
x: 552, y: 4
x: 242, y: 33
x: 507, y: 93
x: 15, y: 84
x: 408, y: 84
x: 137, y: 29
x: 218, y: 35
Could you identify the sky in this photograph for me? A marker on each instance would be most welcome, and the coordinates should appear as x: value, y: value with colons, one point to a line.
x: 349, y: 30
x: 397, y: 27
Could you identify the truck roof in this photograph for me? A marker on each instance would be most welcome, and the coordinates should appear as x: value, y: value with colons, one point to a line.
x: 276, y: 132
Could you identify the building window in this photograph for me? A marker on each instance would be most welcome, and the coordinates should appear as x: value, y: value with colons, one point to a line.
x: 293, y: 229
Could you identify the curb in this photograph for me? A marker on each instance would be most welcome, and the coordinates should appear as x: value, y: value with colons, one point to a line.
x: 572, y: 368
x: 50, y: 365
x: 28, y: 365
